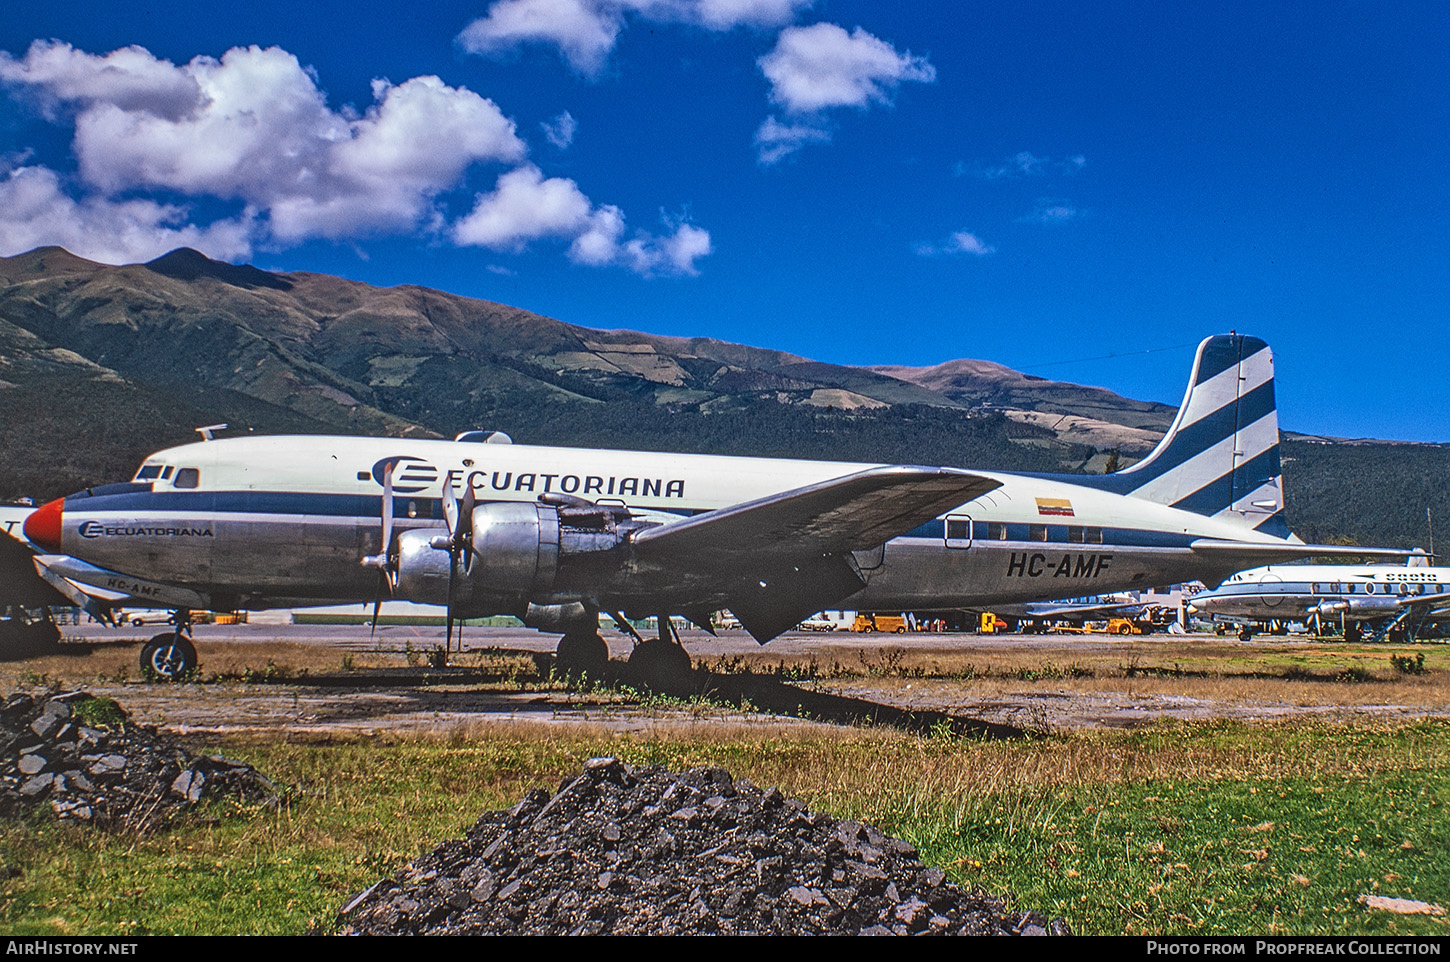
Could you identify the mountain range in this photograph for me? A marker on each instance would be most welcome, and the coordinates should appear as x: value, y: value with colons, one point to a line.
x: 100, y: 365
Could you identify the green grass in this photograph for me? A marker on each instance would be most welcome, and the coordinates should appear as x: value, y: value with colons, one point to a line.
x: 1207, y: 829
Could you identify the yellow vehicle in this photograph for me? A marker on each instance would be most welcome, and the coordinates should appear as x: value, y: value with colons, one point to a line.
x: 871, y: 621
x: 1123, y: 626
x: 991, y: 624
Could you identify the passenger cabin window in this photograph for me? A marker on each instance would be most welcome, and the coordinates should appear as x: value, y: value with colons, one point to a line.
x: 187, y: 478
x: 996, y: 531
x: 1075, y: 534
x: 1094, y: 535
x: 1037, y: 532
x: 959, y: 530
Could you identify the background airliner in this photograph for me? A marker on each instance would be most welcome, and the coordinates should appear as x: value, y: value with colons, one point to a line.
x: 1395, y: 600
x: 556, y: 536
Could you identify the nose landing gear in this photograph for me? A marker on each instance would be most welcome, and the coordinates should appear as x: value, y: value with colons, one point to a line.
x: 170, y: 656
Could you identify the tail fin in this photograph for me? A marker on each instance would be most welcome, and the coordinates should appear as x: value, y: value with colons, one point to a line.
x: 1220, y: 457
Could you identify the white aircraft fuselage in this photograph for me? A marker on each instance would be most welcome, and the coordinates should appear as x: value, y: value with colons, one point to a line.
x: 1299, y: 592
x: 553, y: 534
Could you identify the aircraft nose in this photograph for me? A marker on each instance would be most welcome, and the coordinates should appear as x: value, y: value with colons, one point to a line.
x: 43, y: 525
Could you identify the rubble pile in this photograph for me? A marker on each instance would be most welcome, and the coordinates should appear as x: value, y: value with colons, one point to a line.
x: 90, y: 763
x: 643, y: 851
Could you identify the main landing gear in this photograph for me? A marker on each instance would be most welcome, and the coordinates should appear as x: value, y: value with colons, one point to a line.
x: 582, y: 653
x: 659, y: 664
x: 170, y: 656
x: 663, y: 664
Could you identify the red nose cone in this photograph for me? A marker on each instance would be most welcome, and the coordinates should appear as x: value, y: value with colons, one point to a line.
x: 43, y: 525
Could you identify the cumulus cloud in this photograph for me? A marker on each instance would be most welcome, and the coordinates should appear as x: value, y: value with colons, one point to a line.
x: 525, y: 206
x: 36, y: 211
x: 822, y: 67
x: 254, y: 129
x: 960, y: 242
x: 585, y: 31
x: 560, y: 130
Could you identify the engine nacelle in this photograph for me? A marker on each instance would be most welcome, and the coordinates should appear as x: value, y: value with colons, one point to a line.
x: 519, y: 550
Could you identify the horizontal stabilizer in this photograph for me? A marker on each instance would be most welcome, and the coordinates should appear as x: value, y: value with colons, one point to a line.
x: 1289, y: 550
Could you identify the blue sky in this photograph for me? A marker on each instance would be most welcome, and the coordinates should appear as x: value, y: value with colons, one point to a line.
x: 1079, y: 191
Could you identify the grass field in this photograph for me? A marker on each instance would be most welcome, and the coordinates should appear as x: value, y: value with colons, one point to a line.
x: 1216, y: 829
x: 1219, y: 828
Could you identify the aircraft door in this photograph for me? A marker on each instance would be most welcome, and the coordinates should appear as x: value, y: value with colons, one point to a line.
x: 1273, y: 590
x: 958, y: 532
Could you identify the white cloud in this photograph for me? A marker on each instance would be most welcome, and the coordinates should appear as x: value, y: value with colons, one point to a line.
x: 1026, y: 164
x: 253, y: 128
x: 522, y: 208
x: 1051, y: 212
x: 525, y: 207
x: 35, y: 211
x: 560, y: 130
x: 774, y: 141
x: 259, y: 130
x: 960, y: 242
x: 130, y: 78
x: 819, y: 67
x: 585, y: 31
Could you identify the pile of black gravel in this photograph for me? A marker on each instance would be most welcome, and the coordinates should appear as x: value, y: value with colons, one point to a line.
x: 88, y: 762
x: 644, y: 851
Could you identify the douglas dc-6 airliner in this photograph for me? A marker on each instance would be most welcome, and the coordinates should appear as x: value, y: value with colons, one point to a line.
x: 557, y: 536
x: 1397, y: 600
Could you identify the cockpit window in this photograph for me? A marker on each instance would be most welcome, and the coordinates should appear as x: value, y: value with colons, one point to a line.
x: 187, y: 478
x: 148, y: 472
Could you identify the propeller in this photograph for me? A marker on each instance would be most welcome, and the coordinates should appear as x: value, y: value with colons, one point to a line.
x: 458, y: 515
x: 385, y: 562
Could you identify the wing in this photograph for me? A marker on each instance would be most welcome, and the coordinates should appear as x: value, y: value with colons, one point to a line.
x: 1435, y: 605
x: 19, y: 583
x: 777, y: 559
x: 1080, y: 611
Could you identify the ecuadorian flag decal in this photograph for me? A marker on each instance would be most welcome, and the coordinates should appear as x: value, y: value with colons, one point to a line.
x: 1055, y: 507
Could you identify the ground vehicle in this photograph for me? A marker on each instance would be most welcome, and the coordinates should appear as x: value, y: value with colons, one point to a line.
x: 990, y: 624
x: 868, y: 621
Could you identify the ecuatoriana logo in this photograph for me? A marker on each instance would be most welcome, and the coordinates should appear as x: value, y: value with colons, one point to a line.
x: 409, y: 474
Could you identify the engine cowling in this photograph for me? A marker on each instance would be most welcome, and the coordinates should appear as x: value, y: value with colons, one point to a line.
x: 519, y: 552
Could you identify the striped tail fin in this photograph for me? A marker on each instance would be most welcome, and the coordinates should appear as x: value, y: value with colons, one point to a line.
x: 1220, y: 457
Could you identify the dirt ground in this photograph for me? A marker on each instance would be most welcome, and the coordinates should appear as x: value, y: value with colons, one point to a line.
x: 335, y: 680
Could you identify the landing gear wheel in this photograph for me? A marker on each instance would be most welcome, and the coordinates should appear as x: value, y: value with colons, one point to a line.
x: 1245, y: 634
x: 169, y: 656
x: 662, y: 666
x: 581, y: 654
